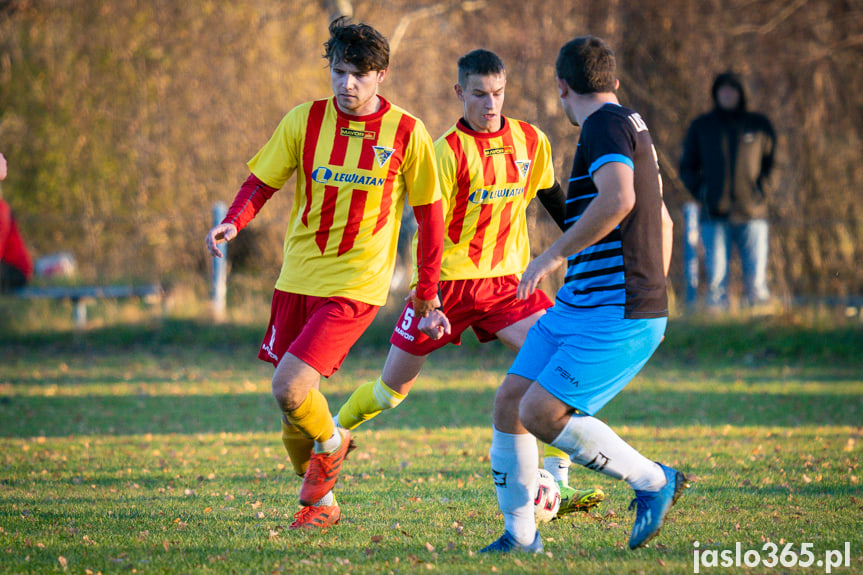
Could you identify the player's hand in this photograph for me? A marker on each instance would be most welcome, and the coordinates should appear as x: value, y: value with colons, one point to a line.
x: 536, y: 271
x: 422, y: 307
x: 435, y: 324
x: 220, y: 233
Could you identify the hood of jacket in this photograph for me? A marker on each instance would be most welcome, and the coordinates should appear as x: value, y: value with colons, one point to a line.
x: 733, y: 80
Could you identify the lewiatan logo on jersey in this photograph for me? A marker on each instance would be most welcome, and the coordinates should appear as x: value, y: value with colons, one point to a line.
x: 482, y: 195
x: 324, y: 175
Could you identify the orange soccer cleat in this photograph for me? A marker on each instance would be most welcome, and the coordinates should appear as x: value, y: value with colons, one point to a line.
x: 316, y: 517
x: 323, y: 471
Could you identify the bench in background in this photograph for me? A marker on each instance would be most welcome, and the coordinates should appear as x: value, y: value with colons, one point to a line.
x: 81, y: 295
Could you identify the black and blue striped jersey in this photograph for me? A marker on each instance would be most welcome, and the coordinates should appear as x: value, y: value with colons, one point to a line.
x: 624, y: 268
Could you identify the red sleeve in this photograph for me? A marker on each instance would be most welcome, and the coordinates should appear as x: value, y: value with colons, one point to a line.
x: 250, y: 199
x: 429, y: 248
x: 16, y: 253
x: 5, y: 226
x: 12, y: 248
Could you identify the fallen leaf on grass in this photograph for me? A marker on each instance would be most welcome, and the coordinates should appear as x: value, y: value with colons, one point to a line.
x: 63, y: 562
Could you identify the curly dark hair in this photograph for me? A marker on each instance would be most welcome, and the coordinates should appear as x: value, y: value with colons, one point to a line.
x: 587, y: 65
x: 357, y: 44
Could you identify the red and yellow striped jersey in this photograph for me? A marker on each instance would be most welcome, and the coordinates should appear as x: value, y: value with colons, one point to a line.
x: 487, y: 180
x: 353, y: 173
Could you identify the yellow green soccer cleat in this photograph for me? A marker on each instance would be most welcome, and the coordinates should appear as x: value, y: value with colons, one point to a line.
x: 572, y: 500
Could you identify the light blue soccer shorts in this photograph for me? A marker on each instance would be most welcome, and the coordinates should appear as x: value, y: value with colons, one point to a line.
x: 585, y: 357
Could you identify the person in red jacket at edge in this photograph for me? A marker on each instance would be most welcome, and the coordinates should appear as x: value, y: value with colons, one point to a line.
x: 16, y: 267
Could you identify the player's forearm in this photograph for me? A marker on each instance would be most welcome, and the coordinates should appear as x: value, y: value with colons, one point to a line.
x: 430, y: 230
x: 251, y: 197
x: 553, y: 200
x: 600, y: 218
x: 667, y: 239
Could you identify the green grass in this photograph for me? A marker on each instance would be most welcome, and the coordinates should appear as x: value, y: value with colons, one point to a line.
x: 155, y: 448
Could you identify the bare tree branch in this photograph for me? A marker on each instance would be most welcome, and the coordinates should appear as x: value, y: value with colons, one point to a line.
x: 425, y: 12
x: 771, y: 25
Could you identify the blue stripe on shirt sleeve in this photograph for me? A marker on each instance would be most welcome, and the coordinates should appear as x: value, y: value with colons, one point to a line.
x: 607, y: 159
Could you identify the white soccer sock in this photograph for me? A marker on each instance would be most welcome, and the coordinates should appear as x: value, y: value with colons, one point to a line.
x: 593, y: 444
x: 558, y: 467
x: 329, y: 445
x: 513, y: 467
x: 328, y: 499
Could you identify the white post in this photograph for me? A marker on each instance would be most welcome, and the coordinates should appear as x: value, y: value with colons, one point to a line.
x: 220, y: 269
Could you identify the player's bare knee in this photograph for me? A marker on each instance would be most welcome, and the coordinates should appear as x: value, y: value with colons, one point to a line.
x: 286, y: 396
x: 530, y: 418
x: 534, y: 415
x: 511, y: 391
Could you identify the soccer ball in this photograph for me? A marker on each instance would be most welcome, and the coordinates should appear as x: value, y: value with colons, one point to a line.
x: 546, y: 497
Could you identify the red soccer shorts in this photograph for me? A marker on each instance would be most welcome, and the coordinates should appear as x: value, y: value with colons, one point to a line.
x: 318, y: 330
x: 487, y: 305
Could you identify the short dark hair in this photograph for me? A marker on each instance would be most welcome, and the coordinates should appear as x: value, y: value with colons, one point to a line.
x: 357, y: 44
x: 587, y: 65
x: 480, y: 62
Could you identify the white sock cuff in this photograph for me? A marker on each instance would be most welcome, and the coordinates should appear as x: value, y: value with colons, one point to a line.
x: 512, y: 440
x: 385, y: 397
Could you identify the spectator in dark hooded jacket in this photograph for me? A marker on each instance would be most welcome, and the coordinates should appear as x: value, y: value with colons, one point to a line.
x: 727, y: 159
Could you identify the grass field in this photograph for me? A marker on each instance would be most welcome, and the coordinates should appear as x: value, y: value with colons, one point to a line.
x: 154, y: 448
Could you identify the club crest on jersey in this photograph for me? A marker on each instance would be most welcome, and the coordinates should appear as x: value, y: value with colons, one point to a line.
x: 497, y: 151
x: 523, y: 167
x: 347, y: 132
x: 383, y: 154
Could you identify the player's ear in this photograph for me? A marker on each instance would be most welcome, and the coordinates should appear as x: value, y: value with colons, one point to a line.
x: 562, y: 87
x: 382, y: 74
x: 459, y: 92
x: 616, y: 84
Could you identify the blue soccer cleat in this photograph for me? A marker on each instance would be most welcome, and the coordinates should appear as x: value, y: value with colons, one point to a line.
x: 652, y: 507
x: 507, y: 544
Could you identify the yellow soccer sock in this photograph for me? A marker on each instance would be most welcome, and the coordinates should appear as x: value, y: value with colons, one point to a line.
x: 552, y: 451
x: 298, y: 446
x: 368, y: 401
x: 312, y: 418
x: 557, y: 463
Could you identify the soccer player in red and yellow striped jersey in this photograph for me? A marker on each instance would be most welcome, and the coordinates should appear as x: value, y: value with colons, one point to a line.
x: 490, y: 168
x: 357, y: 157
